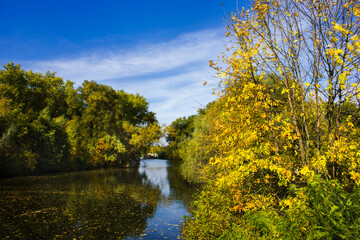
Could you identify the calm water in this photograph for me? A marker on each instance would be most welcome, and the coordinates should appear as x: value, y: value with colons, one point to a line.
x: 144, y: 203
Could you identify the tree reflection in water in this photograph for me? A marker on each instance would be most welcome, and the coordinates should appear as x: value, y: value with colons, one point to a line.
x: 102, y: 204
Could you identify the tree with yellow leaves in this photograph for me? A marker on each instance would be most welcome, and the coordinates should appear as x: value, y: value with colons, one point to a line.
x: 288, y: 135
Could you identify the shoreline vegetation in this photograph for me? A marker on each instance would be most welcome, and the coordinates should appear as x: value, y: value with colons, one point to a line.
x: 278, y: 153
x: 46, y: 125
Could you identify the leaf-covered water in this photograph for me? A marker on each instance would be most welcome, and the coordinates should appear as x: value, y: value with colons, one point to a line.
x: 144, y: 203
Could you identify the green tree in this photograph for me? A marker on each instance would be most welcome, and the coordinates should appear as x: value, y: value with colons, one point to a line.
x: 31, y: 102
x: 197, y: 148
x: 178, y: 130
x: 47, y: 125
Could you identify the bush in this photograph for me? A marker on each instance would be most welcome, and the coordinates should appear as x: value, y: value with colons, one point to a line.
x: 321, y: 210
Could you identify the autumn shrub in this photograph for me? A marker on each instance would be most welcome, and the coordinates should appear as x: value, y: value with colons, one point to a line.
x: 211, y: 215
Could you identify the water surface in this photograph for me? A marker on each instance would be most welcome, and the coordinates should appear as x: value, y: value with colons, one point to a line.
x: 144, y: 203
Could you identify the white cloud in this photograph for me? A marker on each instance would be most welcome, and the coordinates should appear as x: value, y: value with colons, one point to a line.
x: 168, y: 74
x: 174, y: 96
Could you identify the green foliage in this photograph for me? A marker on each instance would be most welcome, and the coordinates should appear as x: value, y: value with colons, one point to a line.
x: 325, y: 211
x: 178, y: 130
x: 196, y: 149
x: 46, y: 125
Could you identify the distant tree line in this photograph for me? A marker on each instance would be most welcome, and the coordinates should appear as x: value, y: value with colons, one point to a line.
x: 48, y: 125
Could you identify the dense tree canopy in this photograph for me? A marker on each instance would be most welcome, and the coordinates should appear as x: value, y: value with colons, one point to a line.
x: 48, y: 125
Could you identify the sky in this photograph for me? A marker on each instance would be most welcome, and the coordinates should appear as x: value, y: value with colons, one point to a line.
x: 159, y: 49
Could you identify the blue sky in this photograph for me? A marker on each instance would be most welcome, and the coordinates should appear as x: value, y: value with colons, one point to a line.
x: 159, y: 49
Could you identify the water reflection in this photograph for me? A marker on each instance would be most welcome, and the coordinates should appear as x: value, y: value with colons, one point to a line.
x: 156, y: 174
x: 144, y: 203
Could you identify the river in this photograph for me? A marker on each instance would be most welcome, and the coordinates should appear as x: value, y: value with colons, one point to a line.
x: 148, y: 202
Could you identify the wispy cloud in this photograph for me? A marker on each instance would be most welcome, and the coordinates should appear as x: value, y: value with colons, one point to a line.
x: 168, y: 74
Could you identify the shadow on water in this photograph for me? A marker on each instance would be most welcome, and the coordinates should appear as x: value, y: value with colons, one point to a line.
x: 144, y: 203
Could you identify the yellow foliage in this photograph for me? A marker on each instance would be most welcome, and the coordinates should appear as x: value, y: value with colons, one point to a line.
x: 272, y: 133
